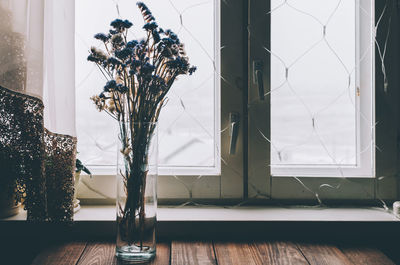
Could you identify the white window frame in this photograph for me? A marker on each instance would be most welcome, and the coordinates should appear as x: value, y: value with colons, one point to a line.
x: 222, y: 180
x: 214, y: 170
x: 365, y: 102
x: 359, y: 186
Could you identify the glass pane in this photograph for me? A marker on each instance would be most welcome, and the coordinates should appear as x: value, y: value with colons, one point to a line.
x: 187, y: 127
x: 313, y: 82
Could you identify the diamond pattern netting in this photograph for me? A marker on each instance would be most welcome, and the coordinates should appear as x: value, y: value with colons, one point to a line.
x: 349, y: 89
x: 314, y: 131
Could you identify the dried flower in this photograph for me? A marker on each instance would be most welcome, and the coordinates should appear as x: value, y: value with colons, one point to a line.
x: 110, y: 85
x: 120, y: 24
x: 131, y: 44
x: 97, y: 55
x: 117, y: 40
x: 101, y: 36
x: 156, y: 36
x: 99, y: 102
x: 121, y: 88
x: 150, y: 26
x: 192, y: 70
x: 140, y: 72
x: 148, y: 17
x: 124, y: 53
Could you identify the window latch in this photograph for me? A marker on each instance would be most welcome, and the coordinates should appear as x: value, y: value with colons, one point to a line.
x: 258, y: 68
x: 234, y: 120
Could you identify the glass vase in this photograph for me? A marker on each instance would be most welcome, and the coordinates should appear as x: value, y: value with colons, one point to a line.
x: 137, y: 192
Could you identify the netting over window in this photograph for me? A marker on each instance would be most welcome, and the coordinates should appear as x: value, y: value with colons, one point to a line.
x: 313, y: 76
x: 188, y: 121
x: 321, y: 92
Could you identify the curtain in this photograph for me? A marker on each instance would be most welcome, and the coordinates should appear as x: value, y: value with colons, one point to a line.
x: 37, y: 105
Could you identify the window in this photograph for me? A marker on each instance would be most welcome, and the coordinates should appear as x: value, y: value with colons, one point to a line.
x: 304, y: 84
x: 297, y: 171
x: 190, y: 136
x: 322, y: 89
x: 190, y: 121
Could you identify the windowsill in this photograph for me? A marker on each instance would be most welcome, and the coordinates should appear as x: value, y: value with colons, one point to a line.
x: 218, y: 223
x: 242, y: 214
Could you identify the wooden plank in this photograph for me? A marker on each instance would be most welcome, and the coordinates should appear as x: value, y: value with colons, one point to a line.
x: 61, y: 254
x: 104, y: 253
x: 163, y: 254
x: 279, y: 253
x: 236, y: 253
x: 98, y: 254
x: 321, y: 254
x: 366, y: 256
x: 196, y: 253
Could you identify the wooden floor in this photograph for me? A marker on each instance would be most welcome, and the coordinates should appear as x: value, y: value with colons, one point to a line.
x: 218, y: 253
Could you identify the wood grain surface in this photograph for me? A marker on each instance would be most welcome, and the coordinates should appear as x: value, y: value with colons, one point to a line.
x: 279, y: 253
x: 61, y: 254
x: 98, y: 254
x: 163, y: 254
x: 218, y: 253
x: 229, y: 253
x: 322, y: 254
x: 196, y: 253
x: 366, y: 256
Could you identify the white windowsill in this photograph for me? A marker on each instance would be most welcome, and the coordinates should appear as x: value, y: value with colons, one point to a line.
x: 218, y: 214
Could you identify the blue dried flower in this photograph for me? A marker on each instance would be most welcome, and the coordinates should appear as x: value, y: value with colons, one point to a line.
x: 114, y: 61
x: 192, y: 70
x: 180, y: 63
x: 174, y: 36
x: 164, y: 50
x: 156, y: 36
x: 147, y: 68
x: 135, y: 63
x: 117, y: 23
x: 101, y: 36
x: 148, y: 17
x: 127, y: 24
x: 132, y: 44
x: 110, y: 85
x: 120, y: 24
x: 168, y: 41
x: 142, y: 6
x: 113, y: 32
x: 121, y: 88
x: 150, y: 26
x: 124, y: 53
x: 91, y: 58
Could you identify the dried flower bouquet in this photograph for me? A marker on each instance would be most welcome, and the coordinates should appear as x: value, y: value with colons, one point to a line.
x: 139, y: 74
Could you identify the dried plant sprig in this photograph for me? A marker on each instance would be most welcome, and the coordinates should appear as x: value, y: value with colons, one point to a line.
x: 139, y: 75
x: 139, y: 72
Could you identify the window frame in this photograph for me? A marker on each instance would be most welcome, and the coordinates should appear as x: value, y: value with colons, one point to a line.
x: 305, y: 189
x: 225, y: 181
x: 365, y: 134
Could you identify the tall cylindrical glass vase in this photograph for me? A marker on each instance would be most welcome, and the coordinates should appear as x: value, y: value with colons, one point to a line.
x: 137, y: 191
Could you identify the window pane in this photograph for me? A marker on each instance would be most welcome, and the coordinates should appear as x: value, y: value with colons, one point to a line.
x: 187, y: 128
x: 313, y: 82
